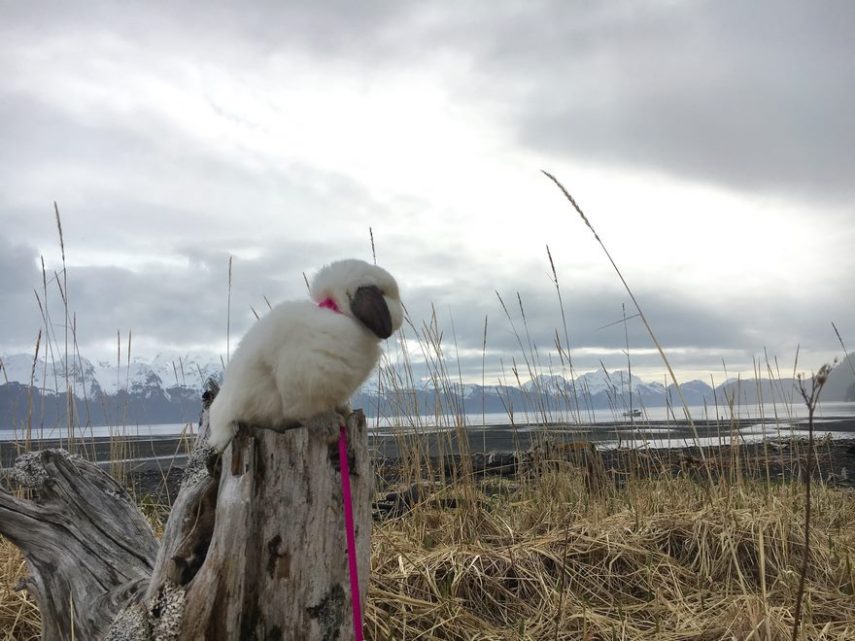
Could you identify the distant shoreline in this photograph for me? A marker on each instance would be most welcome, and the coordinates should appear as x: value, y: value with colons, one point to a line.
x: 162, y: 451
x: 154, y: 466
x: 138, y: 419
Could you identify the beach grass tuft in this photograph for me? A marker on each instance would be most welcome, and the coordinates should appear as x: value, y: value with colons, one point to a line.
x: 660, y: 559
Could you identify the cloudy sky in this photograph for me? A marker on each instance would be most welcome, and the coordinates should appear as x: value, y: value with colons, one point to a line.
x: 711, y: 144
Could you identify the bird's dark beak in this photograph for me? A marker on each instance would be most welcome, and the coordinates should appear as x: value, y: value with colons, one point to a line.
x: 370, y: 308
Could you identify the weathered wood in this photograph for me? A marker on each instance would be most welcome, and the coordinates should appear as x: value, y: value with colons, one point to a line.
x: 277, y: 564
x: 88, y: 548
x: 254, y: 547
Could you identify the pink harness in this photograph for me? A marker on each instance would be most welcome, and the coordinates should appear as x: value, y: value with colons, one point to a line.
x: 329, y: 303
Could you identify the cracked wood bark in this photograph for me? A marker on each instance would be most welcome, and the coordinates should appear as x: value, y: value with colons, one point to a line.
x: 276, y: 567
x: 88, y: 548
x: 254, y: 547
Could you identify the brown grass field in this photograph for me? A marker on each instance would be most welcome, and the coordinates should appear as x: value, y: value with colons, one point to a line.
x: 544, y: 557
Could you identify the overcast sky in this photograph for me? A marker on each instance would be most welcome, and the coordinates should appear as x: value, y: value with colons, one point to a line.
x: 711, y: 144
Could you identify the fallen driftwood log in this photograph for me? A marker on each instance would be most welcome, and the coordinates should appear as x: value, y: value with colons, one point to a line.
x: 254, y: 547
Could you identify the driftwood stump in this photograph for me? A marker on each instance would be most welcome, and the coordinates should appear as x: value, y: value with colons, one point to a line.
x: 254, y: 547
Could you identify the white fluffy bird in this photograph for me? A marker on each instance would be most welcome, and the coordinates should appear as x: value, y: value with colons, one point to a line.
x: 306, y: 358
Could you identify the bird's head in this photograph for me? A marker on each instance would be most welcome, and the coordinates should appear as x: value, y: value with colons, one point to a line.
x: 362, y: 291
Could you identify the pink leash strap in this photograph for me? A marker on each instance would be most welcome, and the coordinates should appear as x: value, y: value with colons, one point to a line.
x: 349, y: 530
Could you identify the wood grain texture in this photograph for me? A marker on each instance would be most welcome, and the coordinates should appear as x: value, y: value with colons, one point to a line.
x: 277, y: 563
x: 88, y: 548
x: 254, y: 547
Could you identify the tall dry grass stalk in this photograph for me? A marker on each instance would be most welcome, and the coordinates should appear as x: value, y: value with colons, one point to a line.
x: 846, y: 354
x: 63, y: 292
x: 811, y: 399
x: 687, y: 413
x: 229, y: 314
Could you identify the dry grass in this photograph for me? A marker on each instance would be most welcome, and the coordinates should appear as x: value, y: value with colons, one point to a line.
x: 657, y: 560
x: 19, y: 617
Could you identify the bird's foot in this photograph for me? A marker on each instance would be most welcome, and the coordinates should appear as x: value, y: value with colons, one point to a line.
x: 219, y: 436
x: 343, y: 412
x: 328, y: 424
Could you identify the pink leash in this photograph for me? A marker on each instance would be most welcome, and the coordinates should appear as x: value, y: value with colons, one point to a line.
x: 349, y: 529
x: 347, y: 497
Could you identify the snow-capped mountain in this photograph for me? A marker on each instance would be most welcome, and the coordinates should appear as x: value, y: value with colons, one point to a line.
x: 605, y: 389
x: 50, y: 376
x: 167, y: 388
x: 593, y: 383
x: 87, y: 379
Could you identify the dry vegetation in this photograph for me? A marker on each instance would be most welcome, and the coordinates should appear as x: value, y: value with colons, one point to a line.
x: 543, y: 558
x: 19, y: 617
x: 659, y: 559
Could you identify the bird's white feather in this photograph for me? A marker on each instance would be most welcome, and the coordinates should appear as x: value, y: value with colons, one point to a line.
x: 301, y: 360
x: 340, y: 280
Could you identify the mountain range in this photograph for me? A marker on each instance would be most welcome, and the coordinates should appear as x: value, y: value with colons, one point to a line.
x: 167, y: 389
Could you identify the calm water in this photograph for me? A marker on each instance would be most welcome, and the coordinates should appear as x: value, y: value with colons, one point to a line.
x: 656, y: 424
x: 164, y: 430
x: 767, y: 412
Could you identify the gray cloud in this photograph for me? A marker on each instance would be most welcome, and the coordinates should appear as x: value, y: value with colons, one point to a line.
x: 677, y: 323
x: 696, y: 333
x: 334, y: 29
x: 749, y: 97
x: 19, y: 277
x: 186, y: 306
x: 159, y: 304
x: 114, y: 177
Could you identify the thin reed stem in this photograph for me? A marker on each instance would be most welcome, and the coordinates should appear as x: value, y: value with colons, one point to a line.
x: 811, y: 399
x: 643, y: 319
